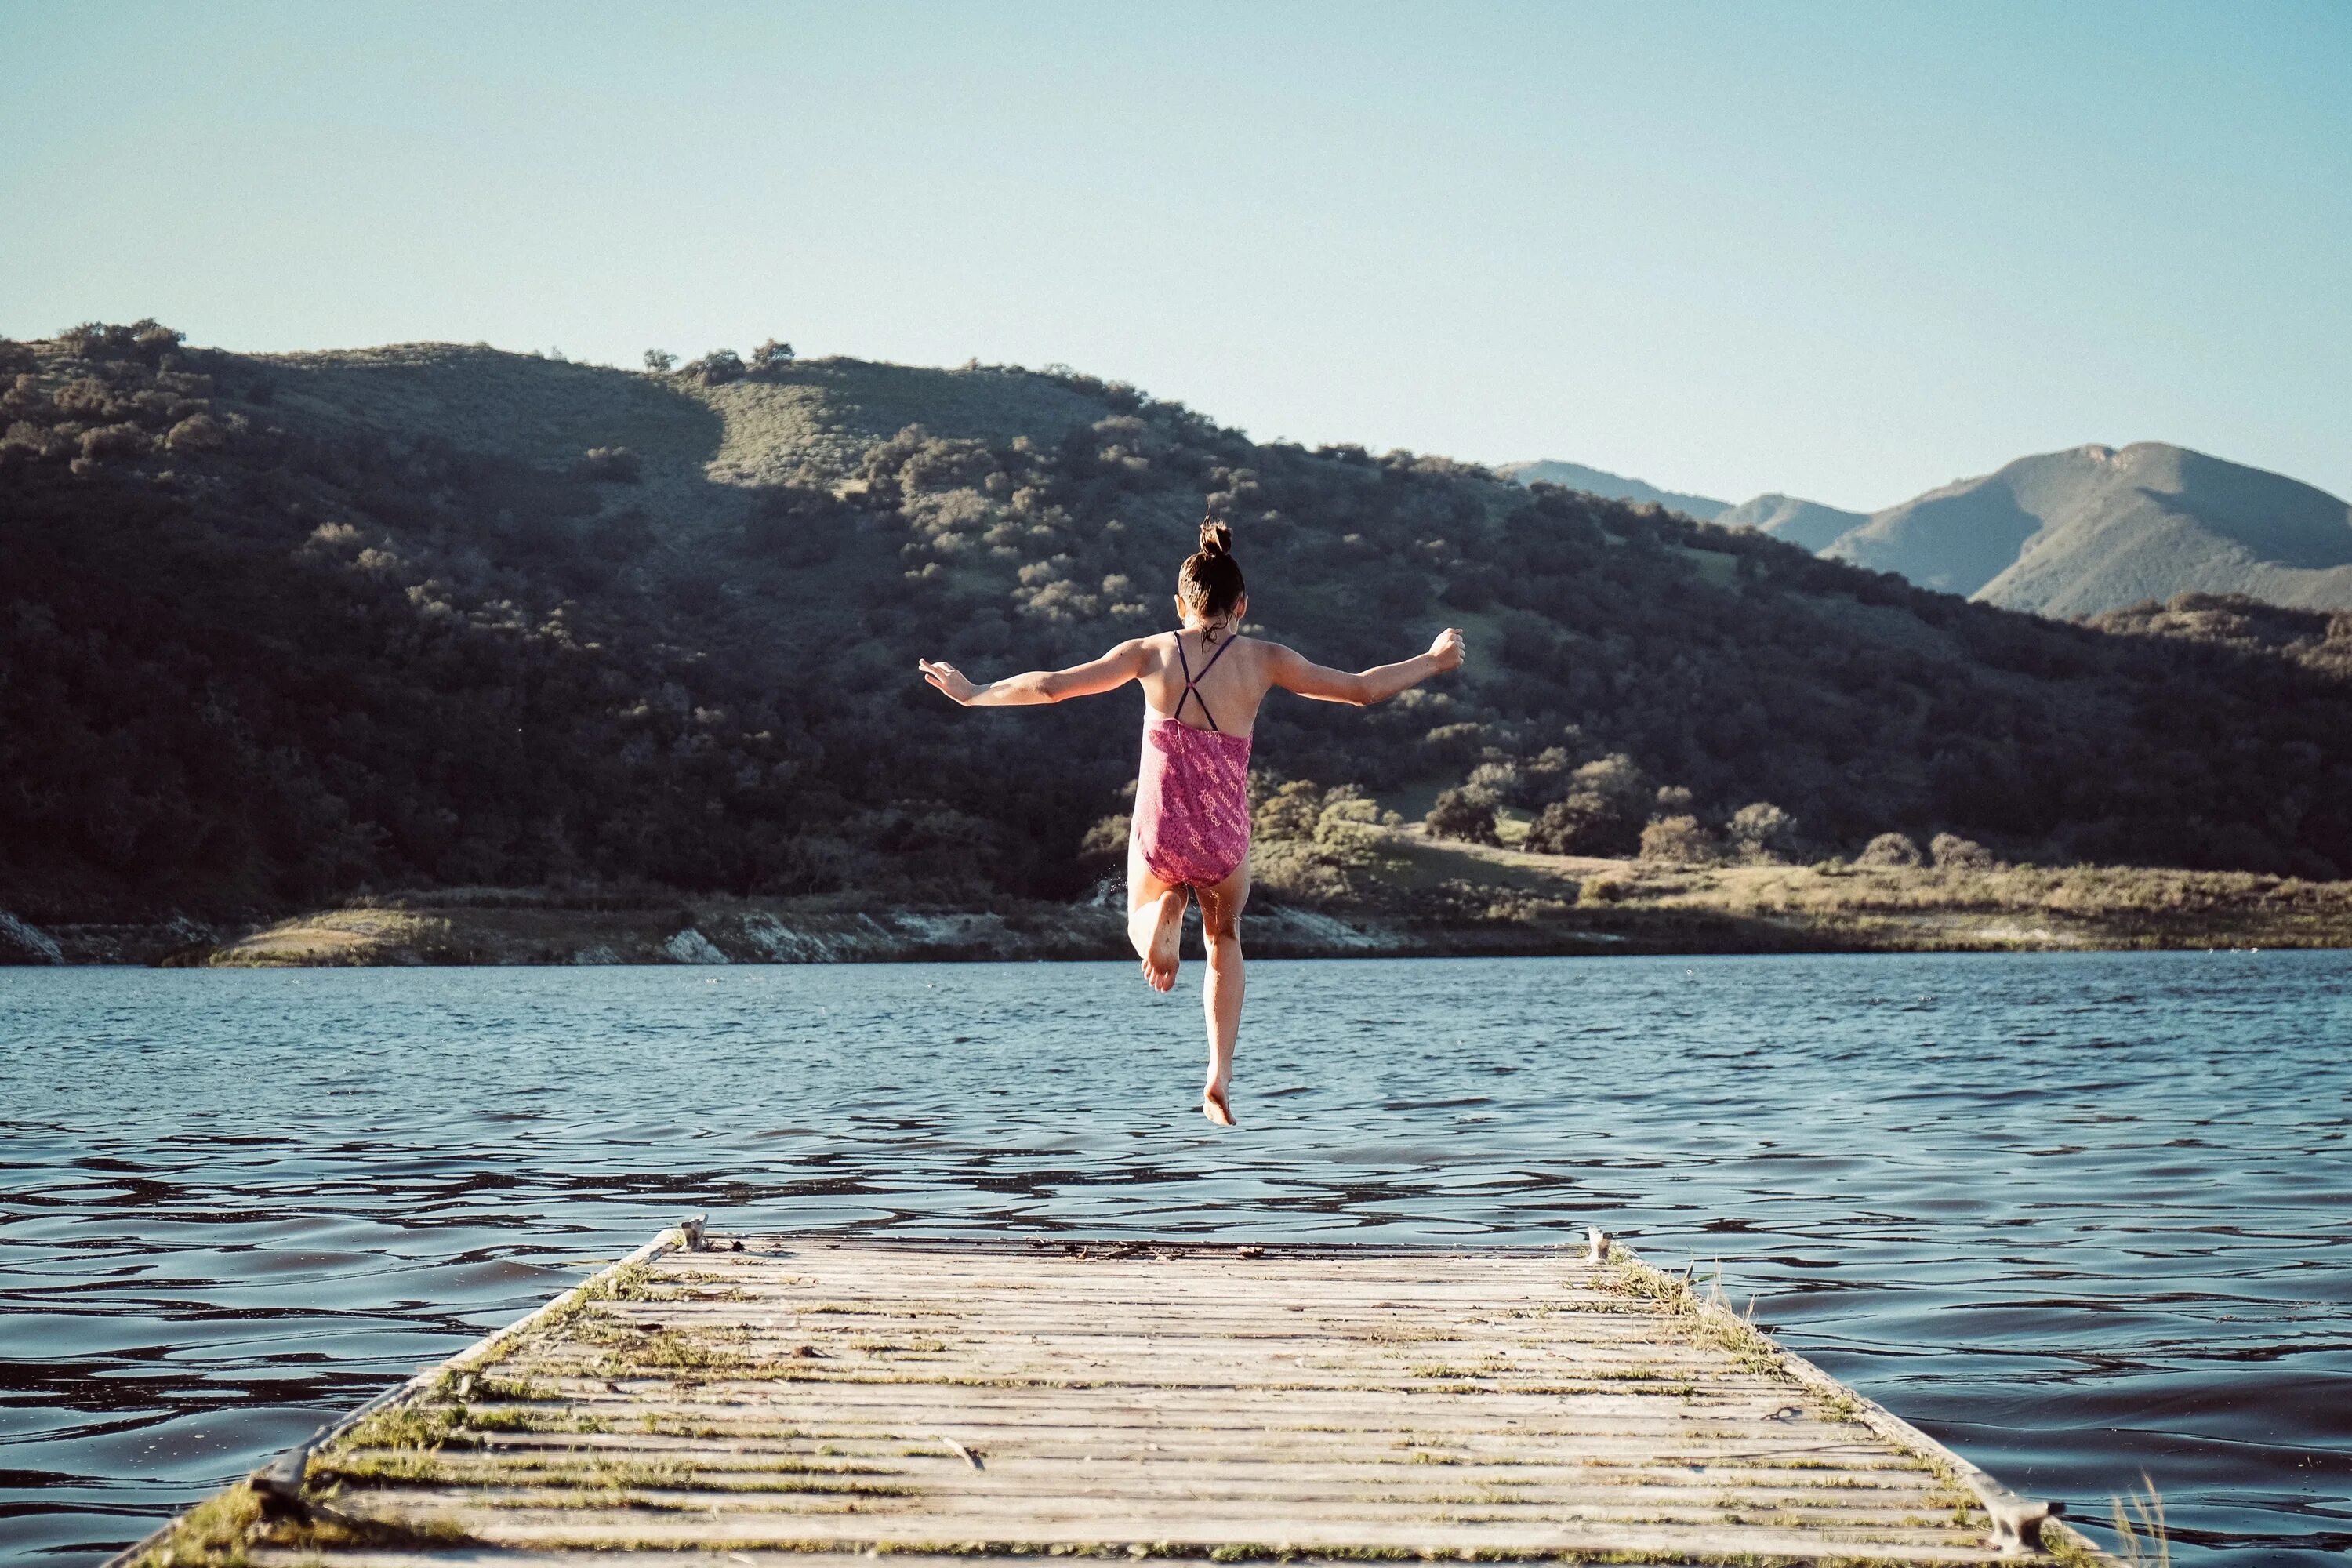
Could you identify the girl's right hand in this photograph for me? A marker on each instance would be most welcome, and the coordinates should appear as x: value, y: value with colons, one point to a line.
x: 1447, y: 650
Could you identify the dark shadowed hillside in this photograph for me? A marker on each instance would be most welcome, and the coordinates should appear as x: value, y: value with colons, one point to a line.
x: 279, y: 629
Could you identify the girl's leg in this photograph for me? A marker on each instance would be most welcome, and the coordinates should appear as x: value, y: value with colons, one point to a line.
x: 1155, y: 919
x: 1221, y: 927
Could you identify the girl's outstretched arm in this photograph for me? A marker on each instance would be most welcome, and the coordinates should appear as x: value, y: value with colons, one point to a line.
x: 1112, y: 670
x: 1292, y: 672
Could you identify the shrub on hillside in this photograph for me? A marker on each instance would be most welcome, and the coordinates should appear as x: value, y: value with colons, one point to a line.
x: 1760, y: 831
x: 770, y: 357
x: 660, y: 361
x: 1891, y: 850
x: 106, y: 441
x: 145, y: 341
x: 1618, y: 780
x: 1500, y: 780
x: 1457, y: 743
x: 1290, y: 812
x: 1601, y: 814
x: 1462, y: 814
x: 85, y: 398
x: 1299, y: 873
x: 197, y: 432
x: 1953, y: 852
x: 26, y: 442
x: 1678, y: 841
x: 716, y: 368
x: 1581, y: 823
x: 1346, y: 810
x: 25, y: 398
x: 612, y: 465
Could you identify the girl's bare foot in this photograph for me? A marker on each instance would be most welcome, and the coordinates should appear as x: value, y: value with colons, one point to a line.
x: 1215, y: 1106
x: 1161, y: 957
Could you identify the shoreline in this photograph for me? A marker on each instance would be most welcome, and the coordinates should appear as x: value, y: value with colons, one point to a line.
x: 1423, y: 900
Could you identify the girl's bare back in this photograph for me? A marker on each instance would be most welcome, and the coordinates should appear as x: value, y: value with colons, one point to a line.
x: 1228, y: 678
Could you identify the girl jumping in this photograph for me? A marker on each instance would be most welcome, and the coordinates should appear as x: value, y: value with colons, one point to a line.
x: 1201, y: 687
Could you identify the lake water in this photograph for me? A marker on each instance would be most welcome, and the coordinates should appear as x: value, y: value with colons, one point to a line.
x: 2082, y: 1216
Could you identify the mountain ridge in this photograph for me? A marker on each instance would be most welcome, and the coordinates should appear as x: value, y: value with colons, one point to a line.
x: 1611, y: 486
x: 2081, y: 531
x: 1808, y: 525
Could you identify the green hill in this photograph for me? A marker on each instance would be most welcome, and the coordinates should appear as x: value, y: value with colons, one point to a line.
x: 275, y: 630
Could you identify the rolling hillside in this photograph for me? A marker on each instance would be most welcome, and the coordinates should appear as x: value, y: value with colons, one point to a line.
x: 275, y: 630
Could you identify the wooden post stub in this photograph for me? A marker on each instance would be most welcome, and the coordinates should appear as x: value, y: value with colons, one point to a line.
x: 1596, y: 1241
x: 2016, y: 1520
x: 689, y: 1231
x: 279, y: 1484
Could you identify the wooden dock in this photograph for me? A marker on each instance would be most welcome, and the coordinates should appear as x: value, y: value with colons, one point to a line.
x: 779, y: 1398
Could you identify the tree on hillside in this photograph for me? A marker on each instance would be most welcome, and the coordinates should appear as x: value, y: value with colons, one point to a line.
x: 659, y: 361
x: 772, y: 355
x: 1677, y: 841
x: 1607, y: 801
x: 1954, y: 853
x: 1760, y: 831
x: 1291, y: 811
x: 613, y: 465
x: 145, y: 341
x: 1581, y: 823
x: 716, y: 367
x: 1891, y: 849
x: 1462, y: 814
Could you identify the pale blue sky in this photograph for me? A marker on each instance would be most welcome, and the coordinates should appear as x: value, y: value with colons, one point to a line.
x: 1844, y: 251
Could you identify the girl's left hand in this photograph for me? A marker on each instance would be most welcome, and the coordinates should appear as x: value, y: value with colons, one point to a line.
x: 947, y: 677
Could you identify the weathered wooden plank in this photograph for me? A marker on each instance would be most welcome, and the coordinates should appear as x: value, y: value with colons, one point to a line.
x: 1075, y: 1445
x: 1037, y: 1477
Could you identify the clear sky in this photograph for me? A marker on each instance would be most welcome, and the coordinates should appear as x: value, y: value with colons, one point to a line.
x: 1843, y: 251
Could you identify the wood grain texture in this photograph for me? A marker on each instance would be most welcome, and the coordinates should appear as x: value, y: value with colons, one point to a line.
x: 816, y: 1397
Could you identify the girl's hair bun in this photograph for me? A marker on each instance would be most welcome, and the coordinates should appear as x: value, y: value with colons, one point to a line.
x: 1210, y: 584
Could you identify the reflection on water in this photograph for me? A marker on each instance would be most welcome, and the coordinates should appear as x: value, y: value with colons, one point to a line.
x: 2081, y: 1217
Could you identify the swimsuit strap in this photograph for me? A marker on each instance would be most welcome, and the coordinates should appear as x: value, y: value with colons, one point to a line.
x: 1191, y: 680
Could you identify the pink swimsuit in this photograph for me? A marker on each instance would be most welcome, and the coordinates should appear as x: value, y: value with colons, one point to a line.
x: 1192, y: 793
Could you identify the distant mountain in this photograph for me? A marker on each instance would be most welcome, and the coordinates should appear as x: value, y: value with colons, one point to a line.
x: 2093, y: 529
x: 2061, y: 533
x: 1612, y: 487
x: 1805, y: 523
